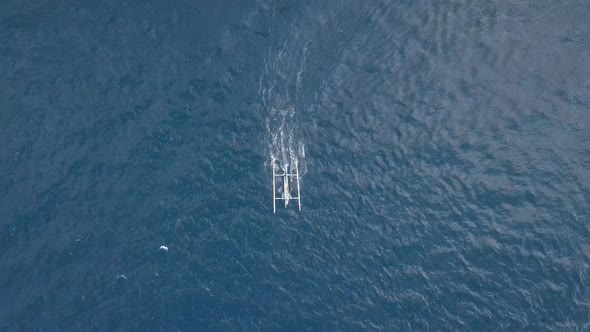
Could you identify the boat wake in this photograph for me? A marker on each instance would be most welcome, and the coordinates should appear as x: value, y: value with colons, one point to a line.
x: 279, y: 91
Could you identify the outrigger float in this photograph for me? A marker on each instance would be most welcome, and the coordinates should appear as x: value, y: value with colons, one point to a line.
x: 284, y: 188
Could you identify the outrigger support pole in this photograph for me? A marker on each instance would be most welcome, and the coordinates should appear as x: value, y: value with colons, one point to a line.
x: 274, y: 199
x: 298, y: 192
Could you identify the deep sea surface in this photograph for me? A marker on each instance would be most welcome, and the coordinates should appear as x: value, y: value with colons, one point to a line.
x: 444, y: 150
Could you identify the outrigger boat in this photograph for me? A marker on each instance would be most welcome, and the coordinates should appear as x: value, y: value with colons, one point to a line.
x: 286, y: 177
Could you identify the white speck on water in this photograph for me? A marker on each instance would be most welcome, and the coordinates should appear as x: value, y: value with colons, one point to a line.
x: 121, y: 276
x: 164, y: 248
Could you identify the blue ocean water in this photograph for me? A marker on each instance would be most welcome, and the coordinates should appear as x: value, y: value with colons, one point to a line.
x: 444, y: 146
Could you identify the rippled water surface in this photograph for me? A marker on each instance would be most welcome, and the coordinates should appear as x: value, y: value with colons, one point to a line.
x: 444, y: 148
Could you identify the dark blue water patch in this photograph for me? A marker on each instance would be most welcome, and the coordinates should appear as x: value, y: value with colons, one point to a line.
x: 445, y: 156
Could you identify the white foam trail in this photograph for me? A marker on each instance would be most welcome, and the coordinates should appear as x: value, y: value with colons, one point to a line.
x: 280, y: 87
